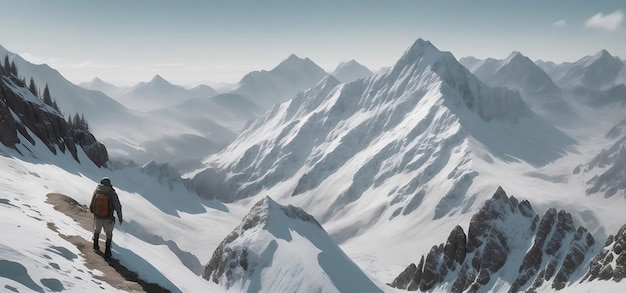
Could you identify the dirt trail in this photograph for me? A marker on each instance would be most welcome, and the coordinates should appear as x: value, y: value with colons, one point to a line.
x: 115, y: 273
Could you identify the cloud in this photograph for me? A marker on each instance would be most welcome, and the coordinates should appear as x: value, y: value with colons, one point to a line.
x: 560, y: 23
x: 609, y: 22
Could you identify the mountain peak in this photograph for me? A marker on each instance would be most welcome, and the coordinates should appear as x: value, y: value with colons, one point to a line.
x: 97, y: 80
x: 421, y: 47
x: 602, y: 57
x: 293, y: 62
x: 274, y: 239
x: 350, y: 71
x: 158, y: 78
x: 293, y: 57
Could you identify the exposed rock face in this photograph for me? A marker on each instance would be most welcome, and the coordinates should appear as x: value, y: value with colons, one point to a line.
x: 21, y: 113
x: 610, y: 263
x: 552, y: 249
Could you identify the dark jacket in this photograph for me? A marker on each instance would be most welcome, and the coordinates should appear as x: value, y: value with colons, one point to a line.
x: 115, y: 201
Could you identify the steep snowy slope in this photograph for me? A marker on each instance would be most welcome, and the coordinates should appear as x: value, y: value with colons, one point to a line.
x: 351, y: 71
x: 374, y: 158
x: 283, y: 249
x: 267, y: 88
x: 160, y: 238
x: 24, y: 118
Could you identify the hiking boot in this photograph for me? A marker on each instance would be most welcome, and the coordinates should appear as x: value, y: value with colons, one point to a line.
x: 107, y: 250
x: 96, y: 245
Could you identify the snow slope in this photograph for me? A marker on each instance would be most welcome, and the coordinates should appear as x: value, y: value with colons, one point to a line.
x: 154, y: 214
x: 283, y: 249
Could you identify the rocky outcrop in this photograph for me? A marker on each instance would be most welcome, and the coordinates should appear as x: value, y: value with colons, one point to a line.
x: 22, y: 113
x: 505, y: 235
x: 610, y: 263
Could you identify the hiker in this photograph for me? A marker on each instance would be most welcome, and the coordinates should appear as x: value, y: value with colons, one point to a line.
x: 103, y: 202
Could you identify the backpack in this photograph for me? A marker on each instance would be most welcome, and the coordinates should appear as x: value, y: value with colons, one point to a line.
x: 102, y: 205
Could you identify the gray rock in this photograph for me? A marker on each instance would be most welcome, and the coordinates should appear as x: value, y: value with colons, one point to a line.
x: 44, y: 122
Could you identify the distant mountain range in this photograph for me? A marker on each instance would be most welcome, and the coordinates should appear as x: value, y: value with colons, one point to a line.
x: 599, y: 72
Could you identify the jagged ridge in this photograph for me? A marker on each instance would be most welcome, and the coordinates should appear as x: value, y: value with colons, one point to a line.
x: 504, y: 233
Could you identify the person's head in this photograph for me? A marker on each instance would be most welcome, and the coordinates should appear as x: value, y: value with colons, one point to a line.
x: 105, y: 181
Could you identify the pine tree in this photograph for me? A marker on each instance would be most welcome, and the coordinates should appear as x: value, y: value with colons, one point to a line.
x: 76, y: 121
x: 32, y: 87
x: 47, y: 99
x: 13, y: 68
x: 7, y: 64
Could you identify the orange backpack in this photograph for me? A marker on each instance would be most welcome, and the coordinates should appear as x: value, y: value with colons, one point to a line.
x: 101, y: 205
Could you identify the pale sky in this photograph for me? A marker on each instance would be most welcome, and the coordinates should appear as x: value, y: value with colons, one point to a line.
x: 197, y: 41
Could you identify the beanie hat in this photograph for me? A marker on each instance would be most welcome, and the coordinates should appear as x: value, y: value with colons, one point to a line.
x: 105, y: 181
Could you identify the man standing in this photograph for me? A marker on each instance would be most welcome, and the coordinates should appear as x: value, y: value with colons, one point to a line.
x: 103, y: 202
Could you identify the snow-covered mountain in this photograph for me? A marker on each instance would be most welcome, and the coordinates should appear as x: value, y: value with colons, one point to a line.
x: 387, y: 165
x: 351, y: 71
x: 535, y: 86
x: 413, y: 145
x: 98, y: 84
x: 597, y: 72
x: 175, y: 137
x: 515, y: 72
x: 283, y: 249
x: 282, y: 83
x: 75, y: 99
x: 159, y: 93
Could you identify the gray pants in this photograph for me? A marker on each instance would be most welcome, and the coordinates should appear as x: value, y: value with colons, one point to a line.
x: 107, y: 224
